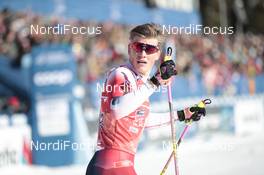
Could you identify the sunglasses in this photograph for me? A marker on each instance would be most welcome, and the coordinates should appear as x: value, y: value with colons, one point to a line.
x: 149, y: 49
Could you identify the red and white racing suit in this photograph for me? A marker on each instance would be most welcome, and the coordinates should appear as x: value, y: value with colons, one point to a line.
x: 123, y: 116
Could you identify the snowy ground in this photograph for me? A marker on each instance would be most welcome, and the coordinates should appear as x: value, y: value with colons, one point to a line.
x: 220, y: 155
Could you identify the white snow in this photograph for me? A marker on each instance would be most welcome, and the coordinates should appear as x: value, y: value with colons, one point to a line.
x: 221, y: 155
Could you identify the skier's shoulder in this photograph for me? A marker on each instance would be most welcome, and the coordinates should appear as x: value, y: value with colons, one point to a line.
x: 122, y: 72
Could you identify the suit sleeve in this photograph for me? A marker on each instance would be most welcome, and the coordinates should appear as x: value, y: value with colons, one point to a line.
x: 125, y: 97
x: 155, y: 119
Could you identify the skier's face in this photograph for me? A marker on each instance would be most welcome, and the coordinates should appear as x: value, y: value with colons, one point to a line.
x: 143, y: 52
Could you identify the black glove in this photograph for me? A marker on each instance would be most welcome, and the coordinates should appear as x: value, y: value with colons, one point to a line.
x: 193, y: 113
x: 167, y: 69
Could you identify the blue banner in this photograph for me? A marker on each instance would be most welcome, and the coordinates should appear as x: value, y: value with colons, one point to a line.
x: 53, y: 77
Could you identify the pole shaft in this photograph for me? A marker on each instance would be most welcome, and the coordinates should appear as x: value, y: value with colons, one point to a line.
x: 173, y: 130
x: 171, y: 155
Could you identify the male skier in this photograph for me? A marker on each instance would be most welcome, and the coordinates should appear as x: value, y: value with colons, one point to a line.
x: 124, y: 109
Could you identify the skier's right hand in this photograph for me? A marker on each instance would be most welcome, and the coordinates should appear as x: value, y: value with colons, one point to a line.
x: 193, y: 113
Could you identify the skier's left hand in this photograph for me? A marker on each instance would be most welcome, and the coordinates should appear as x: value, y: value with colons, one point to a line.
x: 167, y: 69
x: 193, y: 113
x: 164, y: 75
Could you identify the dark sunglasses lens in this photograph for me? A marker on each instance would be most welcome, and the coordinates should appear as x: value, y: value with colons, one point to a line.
x: 149, y: 49
x: 138, y: 47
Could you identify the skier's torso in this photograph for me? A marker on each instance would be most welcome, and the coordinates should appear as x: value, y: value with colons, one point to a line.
x: 121, y: 133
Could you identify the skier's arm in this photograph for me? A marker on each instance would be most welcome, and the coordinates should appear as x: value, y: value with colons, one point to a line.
x: 155, y: 119
x: 126, y: 101
x: 124, y: 105
x: 125, y: 98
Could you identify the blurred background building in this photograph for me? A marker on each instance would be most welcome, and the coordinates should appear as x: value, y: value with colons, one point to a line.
x: 49, y: 82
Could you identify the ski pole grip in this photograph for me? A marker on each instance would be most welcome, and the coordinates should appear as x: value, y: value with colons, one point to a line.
x: 201, y: 104
x: 168, y: 54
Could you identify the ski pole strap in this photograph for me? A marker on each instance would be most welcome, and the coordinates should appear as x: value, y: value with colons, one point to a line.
x: 207, y: 101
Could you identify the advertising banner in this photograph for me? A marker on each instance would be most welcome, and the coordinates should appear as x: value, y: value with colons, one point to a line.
x: 53, y: 77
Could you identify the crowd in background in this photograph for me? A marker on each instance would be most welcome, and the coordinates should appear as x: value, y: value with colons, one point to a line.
x: 219, y: 62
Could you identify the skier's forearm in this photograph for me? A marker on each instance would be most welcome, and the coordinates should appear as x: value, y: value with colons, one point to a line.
x: 124, y: 105
x: 155, y: 120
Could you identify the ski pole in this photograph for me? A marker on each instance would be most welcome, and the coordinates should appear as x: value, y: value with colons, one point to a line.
x: 173, y: 131
x: 178, y: 144
x: 188, y: 123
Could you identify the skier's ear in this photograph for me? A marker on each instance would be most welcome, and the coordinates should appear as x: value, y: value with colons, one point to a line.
x: 128, y: 48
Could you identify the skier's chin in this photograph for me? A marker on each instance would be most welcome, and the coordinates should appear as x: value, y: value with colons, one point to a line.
x: 142, y: 71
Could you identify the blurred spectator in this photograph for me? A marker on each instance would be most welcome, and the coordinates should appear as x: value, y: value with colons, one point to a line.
x: 12, y: 105
x: 221, y: 65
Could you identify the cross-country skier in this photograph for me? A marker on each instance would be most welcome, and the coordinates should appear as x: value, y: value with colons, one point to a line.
x: 124, y: 109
